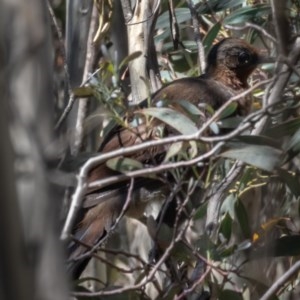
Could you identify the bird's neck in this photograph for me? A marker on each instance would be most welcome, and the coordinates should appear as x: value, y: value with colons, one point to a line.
x: 229, y: 78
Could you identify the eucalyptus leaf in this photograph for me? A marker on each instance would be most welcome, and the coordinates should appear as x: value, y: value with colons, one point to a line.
x: 293, y: 147
x: 201, y: 211
x: 182, y: 15
x: 226, y: 226
x: 231, y: 122
x: 173, y: 150
x: 123, y: 164
x: 295, y: 141
x: 246, y: 14
x: 190, y: 107
x: 173, y: 118
x: 214, y: 128
x: 242, y: 217
x: 259, y: 140
x: 292, y: 181
x: 83, y: 91
x: 263, y: 157
x: 129, y: 58
x: 216, y: 5
x: 228, y: 205
x: 211, y: 36
x: 193, y: 150
x: 230, y: 294
x: 283, y: 129
x: 228, y: 111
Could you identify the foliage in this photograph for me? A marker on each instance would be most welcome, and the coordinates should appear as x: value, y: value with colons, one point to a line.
x: 258, y: 223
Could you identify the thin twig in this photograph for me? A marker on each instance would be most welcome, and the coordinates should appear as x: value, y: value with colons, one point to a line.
x: 281, y: 281
x: 216, y: 199
x: 254, y: 26
x: 194, y: 286
x: 196, y: 27
x: 72, y: 100
x: 150, y: 276
x: 61, y: 45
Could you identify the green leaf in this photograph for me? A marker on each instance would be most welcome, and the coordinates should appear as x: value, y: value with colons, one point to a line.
x: 263, y: 157
x: 182, y: 15
x: 228, y: 111
x: 216, y: 5
x: 123, y: 164
x: 245, y: 14
x: 211, y: 36
x: 293, y: 147
x: 292, y: 181
x: 190, y: 107
x: 173, y: 150
x: 226, y: 226
x: 230, y: 294
x: 173, y: 118
x: 259, y: 140
x: 228, y: 205
x: 201, y: 212
x: 129, y: 58
x: 286, y: 128
x: 84, y: 91
x: 242, y: 218
x: 231, y: 122
x: 214, y: 128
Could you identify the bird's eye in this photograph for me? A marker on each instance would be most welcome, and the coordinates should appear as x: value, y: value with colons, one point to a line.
x: 244, y: 58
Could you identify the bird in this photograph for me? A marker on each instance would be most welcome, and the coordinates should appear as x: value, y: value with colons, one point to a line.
x: 230, y: 62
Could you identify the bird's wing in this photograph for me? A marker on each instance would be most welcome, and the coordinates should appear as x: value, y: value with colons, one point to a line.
x: 102, y: 206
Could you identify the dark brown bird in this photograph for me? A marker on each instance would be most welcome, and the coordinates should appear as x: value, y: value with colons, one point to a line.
x: 229, y: 64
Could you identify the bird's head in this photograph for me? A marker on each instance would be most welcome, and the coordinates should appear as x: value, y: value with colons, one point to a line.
x: 233, y: 59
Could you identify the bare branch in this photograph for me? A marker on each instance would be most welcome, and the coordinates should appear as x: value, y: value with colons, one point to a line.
x: 256, y: 27
x: 281, y: 281
x: 196, y: 27
x: 144, y: 281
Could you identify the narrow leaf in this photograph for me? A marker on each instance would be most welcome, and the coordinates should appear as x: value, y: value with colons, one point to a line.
x: 84, y: 91
x: 173, y: 118
x: 291, y: 180
x: 242, y: 217
x: 230, y: 294
x: 286, y: 128
x: 245, y: 14
x: 263, y: 157
x: 211, y: 35
x: 129, y: 58
x: 228, y: 111
x: 173, y: 150
x: 226, y: 226
x: 123, y: 164
x: 259, y: 140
